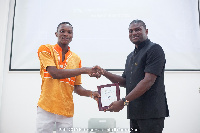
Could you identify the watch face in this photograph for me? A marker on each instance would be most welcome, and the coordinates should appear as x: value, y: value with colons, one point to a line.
x: 125, y: 103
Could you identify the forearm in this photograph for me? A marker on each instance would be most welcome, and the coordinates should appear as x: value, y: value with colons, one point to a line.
x: 143, y: 86
x: 138, y: 91
x: 65, y: 73
x: 115, y: 78
x: 78, y: 89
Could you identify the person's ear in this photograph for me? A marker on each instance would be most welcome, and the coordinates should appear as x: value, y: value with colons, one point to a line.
x: 56, y: 33
x: 147, y: 31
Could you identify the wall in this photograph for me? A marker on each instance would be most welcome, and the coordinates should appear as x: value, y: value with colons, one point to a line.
x: 4, y: 9
x: 21, y: 90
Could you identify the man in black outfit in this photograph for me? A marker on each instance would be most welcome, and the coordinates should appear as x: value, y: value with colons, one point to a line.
x: 143, y: 78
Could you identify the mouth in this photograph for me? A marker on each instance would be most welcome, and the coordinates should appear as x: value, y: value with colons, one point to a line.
x: 65, y: 38
x: 135, y: 37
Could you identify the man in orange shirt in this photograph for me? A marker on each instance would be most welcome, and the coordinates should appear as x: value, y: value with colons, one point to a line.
x: 60, y: 70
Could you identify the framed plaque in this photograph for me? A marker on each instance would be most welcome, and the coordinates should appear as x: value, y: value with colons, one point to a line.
x: 109, y: 93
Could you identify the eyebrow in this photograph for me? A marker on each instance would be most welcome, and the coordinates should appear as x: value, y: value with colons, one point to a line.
x: 67, y: 29
x: 136, y: 27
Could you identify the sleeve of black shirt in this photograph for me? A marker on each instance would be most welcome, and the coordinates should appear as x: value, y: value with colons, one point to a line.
x: 155, y: 61
x: 124, y: 74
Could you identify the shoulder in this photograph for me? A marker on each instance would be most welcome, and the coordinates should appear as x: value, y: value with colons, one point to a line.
x: 44, y: 48
x: 75, y: 55
x: 156, y: 48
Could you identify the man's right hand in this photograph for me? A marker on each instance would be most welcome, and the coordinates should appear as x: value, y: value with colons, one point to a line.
x: 99, y: 72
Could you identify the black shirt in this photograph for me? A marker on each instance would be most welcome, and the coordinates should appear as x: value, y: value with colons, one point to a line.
x: 147, y: 58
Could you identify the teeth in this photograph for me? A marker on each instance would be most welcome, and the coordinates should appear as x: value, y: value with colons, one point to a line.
x: 64, y: 38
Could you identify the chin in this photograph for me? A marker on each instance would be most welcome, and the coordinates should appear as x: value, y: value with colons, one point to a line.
x: 134, y: 42
x: 65, y: 43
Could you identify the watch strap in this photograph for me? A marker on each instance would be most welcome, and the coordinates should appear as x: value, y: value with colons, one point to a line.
x: 126, y: 102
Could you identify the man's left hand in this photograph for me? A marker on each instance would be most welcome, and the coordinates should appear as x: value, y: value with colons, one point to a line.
x: 95, y: 95
x: 116, y: 106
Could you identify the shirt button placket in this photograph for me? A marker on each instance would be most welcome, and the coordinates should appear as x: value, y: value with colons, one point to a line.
x: 131, y: 74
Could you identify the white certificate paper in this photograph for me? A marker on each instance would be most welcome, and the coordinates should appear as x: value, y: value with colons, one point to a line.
x: 108, y: 95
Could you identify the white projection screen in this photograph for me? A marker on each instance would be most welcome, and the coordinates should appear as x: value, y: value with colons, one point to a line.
x: 101, y: 30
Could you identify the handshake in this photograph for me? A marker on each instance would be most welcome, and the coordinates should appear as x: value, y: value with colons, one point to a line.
x: 95, y: 71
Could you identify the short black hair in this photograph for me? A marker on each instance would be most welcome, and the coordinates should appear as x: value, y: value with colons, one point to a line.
x: 139, y: 21
x: 68, y: 23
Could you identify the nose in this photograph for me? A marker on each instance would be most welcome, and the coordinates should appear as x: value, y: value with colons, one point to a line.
x: 66, y: 34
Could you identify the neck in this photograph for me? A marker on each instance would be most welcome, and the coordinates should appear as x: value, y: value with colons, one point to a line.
x: 63, y: 46
x: 137, y: 44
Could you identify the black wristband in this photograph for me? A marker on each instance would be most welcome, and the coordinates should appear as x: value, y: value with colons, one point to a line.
x: 124, y: 99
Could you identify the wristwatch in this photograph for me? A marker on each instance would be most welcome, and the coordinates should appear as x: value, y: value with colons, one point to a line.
x: 126, y: 102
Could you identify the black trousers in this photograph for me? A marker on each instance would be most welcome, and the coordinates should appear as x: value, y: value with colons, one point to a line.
x: 154, y: 125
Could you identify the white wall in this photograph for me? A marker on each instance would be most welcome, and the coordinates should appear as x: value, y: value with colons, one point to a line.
x: 4, y: 9
x: 21, y: 90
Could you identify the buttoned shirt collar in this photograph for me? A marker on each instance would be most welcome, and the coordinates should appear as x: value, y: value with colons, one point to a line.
x: 59, y: 48
x: 142, y: 44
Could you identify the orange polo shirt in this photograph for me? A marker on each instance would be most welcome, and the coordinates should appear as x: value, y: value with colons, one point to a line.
x: 56, y: 94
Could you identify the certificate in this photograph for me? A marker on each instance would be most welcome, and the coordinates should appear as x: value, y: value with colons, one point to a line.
x: 109, y: 93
